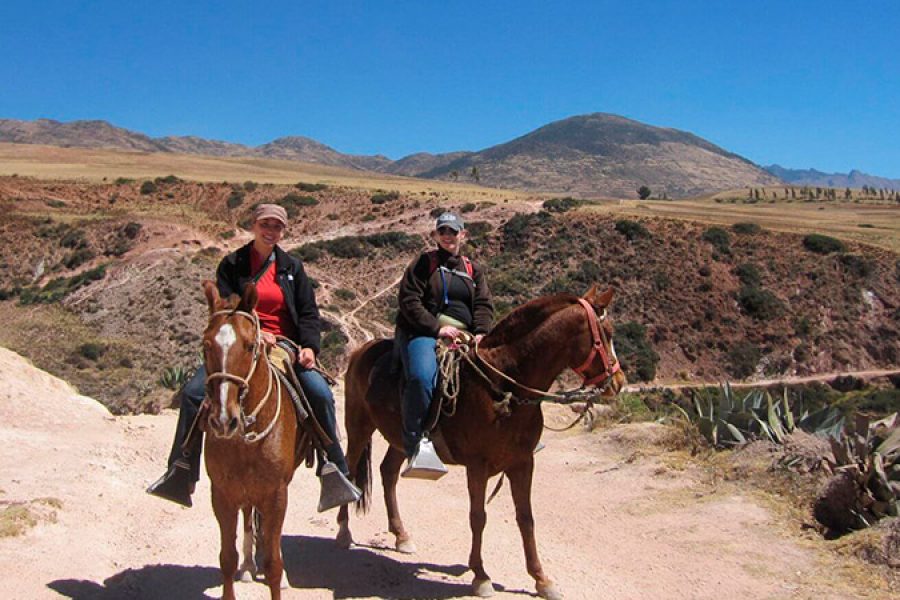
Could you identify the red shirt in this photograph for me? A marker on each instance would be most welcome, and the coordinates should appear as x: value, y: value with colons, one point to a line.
x: 272, y: 311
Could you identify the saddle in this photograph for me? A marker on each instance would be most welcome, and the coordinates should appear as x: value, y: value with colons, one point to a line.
x: 312, y: 437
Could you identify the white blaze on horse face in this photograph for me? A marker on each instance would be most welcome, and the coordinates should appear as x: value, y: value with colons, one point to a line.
x: 226, y: 337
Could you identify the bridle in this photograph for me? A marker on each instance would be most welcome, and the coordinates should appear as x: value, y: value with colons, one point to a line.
x: 598, y: 346
x: 610, y: 367
x: 243, y: 383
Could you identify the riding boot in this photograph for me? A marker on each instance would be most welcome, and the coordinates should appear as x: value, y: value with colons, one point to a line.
x: 424, y: 463
x: 177, y: 483
x: 337, y: 489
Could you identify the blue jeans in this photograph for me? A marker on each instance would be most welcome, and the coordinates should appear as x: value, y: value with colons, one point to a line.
x: 420, y: 368
x: 314, y: 386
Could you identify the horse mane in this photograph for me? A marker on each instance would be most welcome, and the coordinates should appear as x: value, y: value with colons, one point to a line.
x: 523, y: 319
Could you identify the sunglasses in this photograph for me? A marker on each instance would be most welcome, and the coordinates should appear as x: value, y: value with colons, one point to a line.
x: 447, y: 231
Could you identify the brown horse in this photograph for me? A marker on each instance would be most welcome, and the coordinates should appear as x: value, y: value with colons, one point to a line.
x: 527, y: 349
x: 250, y: 452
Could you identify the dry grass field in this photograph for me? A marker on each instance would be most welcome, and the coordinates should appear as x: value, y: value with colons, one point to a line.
x: 868, y: 223
x: 85, y: 164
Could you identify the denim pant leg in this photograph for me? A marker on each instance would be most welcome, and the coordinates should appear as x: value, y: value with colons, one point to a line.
x: 192, y: 395
x: 321, y: 400
x: 420, y: 367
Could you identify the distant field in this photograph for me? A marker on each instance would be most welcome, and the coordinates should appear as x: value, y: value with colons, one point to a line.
x: 86, y: 164
x: 875, y: 224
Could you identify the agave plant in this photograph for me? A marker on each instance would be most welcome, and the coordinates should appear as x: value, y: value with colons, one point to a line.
x: 865, y: 481
x: 173, y: 378
x: 734, y: 420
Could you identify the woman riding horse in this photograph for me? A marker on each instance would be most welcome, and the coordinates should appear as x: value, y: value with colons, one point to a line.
x: 286, y: 308
x: 442, y: 294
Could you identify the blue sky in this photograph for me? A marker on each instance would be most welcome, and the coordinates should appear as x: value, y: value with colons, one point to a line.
x: 795, y: 82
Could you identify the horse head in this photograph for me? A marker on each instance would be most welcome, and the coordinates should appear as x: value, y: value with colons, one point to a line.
x: 601, y: 368
x: 231, y: 350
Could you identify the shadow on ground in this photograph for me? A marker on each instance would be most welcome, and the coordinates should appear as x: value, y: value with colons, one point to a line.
x: 310, y: 562
x: 153, y: 582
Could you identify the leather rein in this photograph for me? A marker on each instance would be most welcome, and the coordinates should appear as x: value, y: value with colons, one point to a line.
x: 243, y: 383
x: 599, y: 342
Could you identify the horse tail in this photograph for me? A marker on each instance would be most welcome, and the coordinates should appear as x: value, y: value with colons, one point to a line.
x: 363, y: 479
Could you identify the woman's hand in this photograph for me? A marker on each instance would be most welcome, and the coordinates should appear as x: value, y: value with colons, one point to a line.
x: 307, y: 358
x: 449, y: 331
x: 268, y: 339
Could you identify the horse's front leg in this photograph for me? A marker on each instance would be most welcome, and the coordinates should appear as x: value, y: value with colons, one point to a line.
x: 271, y: 522
x: 477, y: 479
x: 520, y: 483
x: 390, y: 473
x: 226, y: 514
x: 247, y: 570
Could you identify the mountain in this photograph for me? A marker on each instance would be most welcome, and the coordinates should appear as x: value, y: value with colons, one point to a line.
x: 608, y: 155
x: 589, y: 155
x: 304, y: 149
x: 853, y: 179
x: 84, y: 134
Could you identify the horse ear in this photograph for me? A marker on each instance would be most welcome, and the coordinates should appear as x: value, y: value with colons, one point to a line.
x: 212, y: 294
x: 248, y: 301
x: 598, y: 300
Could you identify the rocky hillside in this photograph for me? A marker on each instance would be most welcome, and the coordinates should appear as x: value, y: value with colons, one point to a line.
x: 588, y: 156
x: 608, y: 155
x: 103, y: 289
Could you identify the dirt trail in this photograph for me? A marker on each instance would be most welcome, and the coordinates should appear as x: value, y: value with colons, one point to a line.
x: 614, y: 520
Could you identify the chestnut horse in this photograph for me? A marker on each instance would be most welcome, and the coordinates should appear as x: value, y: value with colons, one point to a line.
x: 250, y: 452
x: 527, y: 349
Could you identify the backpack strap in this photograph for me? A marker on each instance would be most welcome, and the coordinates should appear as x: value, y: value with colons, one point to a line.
x: 433, y: 264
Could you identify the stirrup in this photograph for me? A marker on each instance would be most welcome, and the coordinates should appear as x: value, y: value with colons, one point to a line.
x: 337, y: 490
x: 176, y: 484
x: 425, y: 463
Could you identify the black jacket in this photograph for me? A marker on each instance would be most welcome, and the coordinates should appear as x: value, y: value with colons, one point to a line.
x: 234, y: 273
x: 419, y: 296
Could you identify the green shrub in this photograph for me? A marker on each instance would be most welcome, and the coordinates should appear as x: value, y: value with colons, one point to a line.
x: 131, y: 230
x: 368, y: 217
x: 55, y: 203
x: 235, y: 199
x: 746, y: 228
x: 307, y: 253
x: 468, y: 207
x: 311, y: 187
x: 123, y: 181
x: 436, y: 212
x: 73, y: 238
x: 518, y: 230
x: 742, y: 359
x: 250, y: 186
x: 822, y: 244
x: 561, y: 205
x: 344, y: 294
x: 856, y: 265
x: 148, y: 187
x: 719, y: 239
x: 635, y: 352
x: 382, y: 197
x: 749, y: 274
x: 168, y: 179
x: 758, y: 303
x: 78, y: 257
x: 92, y: 350
x: 292, y: 203
x: 632, y: 230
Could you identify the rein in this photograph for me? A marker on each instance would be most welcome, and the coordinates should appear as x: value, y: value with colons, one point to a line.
x: 449, y: 359
x: 244, y: 382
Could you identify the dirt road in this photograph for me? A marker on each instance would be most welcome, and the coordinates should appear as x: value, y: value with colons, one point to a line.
x: 614, y: 520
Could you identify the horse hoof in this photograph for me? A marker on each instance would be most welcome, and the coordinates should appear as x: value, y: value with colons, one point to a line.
x: 406, y: 547
x: 483, y: 588
x: 344, y: 539
x: 245, y: 575
x: 548, y: 591
x: 284, y: 582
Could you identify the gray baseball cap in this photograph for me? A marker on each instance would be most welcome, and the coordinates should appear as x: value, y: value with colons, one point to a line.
x: 451, y: 220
